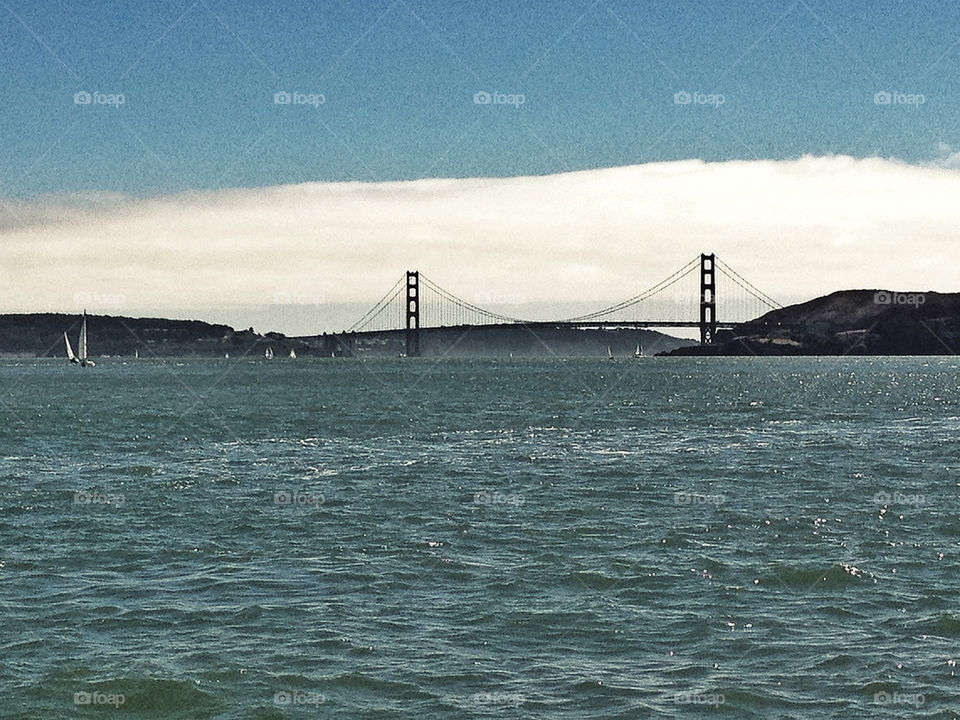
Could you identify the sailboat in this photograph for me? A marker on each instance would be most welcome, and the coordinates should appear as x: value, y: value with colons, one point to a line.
x: 81, y: 356
x: 268, y: 353
x: 293, y: 354
x: 609, y: 353
x: 638, y: 353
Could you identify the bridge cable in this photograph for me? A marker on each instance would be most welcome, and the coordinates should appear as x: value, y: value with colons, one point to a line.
x: 659, y: 287
x: 463, y: 304
x: 747, y: 285
x: 381, y: 305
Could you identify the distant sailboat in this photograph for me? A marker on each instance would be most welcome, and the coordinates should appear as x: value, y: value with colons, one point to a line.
x: 136, y: 353
x: 81, y: 356
x: 293, y: 354
x: 609, y: 353
x: 638, y: 353
x: 268, y: 354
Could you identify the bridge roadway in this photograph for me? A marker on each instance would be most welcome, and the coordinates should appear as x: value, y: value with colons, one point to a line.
x: 346, y: 336
x: 577, y: 325
x: 344, y: 343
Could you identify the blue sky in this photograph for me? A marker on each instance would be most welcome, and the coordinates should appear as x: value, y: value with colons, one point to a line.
x: 398, y: 80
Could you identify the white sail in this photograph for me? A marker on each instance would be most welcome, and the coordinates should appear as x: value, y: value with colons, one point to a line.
x: 639, y: 351
x: 70, y: 356
x: 293, y: 354
x: 268, y: 353
x: 82, y: 345
x: 609, y: 353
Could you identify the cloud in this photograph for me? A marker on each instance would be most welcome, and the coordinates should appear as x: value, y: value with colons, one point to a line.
x: 795, y: 228
x: 947, y: 157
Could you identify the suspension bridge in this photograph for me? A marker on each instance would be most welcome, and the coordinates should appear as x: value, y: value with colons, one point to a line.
x: 685, y: 299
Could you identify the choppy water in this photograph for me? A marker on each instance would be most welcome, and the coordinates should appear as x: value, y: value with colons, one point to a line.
x: 584, y: 539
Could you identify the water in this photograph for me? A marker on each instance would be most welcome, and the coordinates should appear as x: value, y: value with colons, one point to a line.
x: 683, y: 537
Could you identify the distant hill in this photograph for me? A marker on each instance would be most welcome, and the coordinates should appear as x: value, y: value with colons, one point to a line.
x: 849, y: 322
x: 520, y: 341
x: 41, y: 335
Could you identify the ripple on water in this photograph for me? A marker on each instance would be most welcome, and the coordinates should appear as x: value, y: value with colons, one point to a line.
x: 601, y: 594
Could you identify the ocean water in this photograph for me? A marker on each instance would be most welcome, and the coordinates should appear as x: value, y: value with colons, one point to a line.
x: 761, y: 537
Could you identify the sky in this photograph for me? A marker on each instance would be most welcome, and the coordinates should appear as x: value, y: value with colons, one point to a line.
x: 282, y: 163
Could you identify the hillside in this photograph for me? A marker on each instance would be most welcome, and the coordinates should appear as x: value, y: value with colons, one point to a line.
x: 41, y: 335
x: 849, y: 322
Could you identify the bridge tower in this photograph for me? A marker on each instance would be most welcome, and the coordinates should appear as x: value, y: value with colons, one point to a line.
x: 708, y: 299
x: 413, y: 314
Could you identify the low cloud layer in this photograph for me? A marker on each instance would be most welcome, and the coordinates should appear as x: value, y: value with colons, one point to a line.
x: 796, y: 229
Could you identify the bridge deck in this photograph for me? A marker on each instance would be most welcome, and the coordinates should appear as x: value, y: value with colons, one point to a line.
x: 591, y: 325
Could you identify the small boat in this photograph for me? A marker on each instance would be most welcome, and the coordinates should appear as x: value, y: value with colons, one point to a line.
x: 81, y: 357
x: 136, y: 353
x: 293, y: 354
x: 609, y: 353
x: 638, y: 353
x: 268, y: 353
